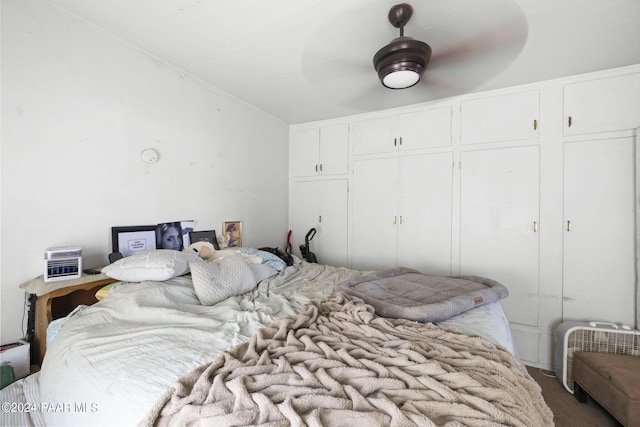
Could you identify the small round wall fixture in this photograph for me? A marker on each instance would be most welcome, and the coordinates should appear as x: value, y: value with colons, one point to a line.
x: 400, y: 64
x: 150, y: 156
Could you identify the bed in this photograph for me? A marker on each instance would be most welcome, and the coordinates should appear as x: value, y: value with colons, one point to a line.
x: 300, y: 347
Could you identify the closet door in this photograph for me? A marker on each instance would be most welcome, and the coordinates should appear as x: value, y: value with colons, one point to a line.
x: 498, y: 224
x: 424, y: 208
x: 304, y: 213
x: 599, y: 231
x: 321, y: 204
x: 375, y: 214
x: 332, y: 226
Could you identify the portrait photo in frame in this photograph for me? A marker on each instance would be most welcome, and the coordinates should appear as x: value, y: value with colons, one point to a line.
x: 204, y: 236
x: 232, y: 231
x: 133, y: 240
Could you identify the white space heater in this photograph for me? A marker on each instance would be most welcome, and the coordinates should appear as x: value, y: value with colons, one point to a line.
x: 62, y: 263
x: 601, y: 337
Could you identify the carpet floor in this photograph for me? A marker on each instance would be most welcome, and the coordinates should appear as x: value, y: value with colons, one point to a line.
x: 567, y: 411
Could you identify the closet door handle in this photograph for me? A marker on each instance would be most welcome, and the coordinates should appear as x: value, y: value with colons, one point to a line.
x: 569, y: 121
x: 395, y: 219
x: 569, y: 225
x: 535, y: 124
x: 400, y: 219
x: 395, y: 142
x: 319, y: 218
x: 320, y: 167
x: 316, y: 168
x: 400, y: 140
x: 535, y: 226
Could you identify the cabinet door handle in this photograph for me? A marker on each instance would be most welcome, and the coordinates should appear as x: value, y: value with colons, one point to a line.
x: 400, y: 219
x: 570, y: 121
x: 316, y: 168
x: 320, y: 167
x: 395, y: 219
x: 535, y: 226
x: 395, y: 142
x: 319, y: 218
x: 535, y: 124
x: 569, y: 225
x: 400, y: 140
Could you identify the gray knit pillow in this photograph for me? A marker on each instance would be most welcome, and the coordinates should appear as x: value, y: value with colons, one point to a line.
x: 215, y: 281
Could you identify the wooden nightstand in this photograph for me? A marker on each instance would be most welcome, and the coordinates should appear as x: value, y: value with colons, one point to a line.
x: 59, y: 302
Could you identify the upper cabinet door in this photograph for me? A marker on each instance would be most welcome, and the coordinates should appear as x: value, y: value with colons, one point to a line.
x: 407, y: 131
x: 306, y: 149
x: 602, y: 105
x: 425, y: 129
x: 334, y: 151
x: 321, y: 151
x: 500, y: 118
x: 375, y: 136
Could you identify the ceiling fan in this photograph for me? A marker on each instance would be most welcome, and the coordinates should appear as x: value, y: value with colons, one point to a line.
x: 400, y: 64
x: 468, y: 44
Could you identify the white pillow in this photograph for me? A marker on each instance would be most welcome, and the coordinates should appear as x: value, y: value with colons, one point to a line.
x: 158, y: 265
x: 215, y: 281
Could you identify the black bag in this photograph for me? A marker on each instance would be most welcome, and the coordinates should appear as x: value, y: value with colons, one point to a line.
x: 287, y: 258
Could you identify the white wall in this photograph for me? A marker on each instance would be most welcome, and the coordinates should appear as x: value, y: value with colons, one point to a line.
x: 78, y: 108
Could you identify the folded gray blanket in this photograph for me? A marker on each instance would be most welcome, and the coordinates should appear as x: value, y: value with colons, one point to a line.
x: 408, y: 294
x: 337, y: 364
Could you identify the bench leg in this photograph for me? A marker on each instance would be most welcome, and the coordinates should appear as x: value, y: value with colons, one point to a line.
x: 579, y: 393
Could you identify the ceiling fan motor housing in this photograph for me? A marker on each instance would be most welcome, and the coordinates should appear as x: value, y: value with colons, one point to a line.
x: 402, y: 54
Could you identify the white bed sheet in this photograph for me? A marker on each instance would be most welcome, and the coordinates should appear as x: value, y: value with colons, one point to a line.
x: 111, y: 362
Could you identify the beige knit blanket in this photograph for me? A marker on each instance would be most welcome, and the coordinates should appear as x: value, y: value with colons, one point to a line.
x: 338, y: 364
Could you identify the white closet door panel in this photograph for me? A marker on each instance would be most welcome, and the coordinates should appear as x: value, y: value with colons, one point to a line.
x: 509, y: 117
x: 426, y: 129
x: 305, y: 205
x: 602, y: 105
x: 374, y: 214
x: 599, y: 251
x: 375, y: 135
x: 332, y: 223
x: 334, y: 149
x: 305, y: 152
x: 499, y: 205
x: 425, y: 194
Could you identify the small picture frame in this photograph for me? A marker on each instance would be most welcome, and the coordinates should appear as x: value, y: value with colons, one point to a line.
x: 187, y: 228
x: 204, y: 236
x: 232, y: 231
x: 132, y: 240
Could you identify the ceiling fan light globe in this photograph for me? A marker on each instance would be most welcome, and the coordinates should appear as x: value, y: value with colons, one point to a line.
x: 401, y: 79
x: 400, y: 64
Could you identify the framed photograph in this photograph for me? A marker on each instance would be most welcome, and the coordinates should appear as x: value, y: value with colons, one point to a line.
x: 187, y: 227
x: 233, y: 233
x: 133, y: 240
x: 169, y: 236
x: 204, y: 236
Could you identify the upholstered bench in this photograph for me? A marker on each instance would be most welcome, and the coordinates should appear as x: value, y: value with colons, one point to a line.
x: 612, y: 380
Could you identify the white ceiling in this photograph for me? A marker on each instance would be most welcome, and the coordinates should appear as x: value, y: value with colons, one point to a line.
x: 304, y: 60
